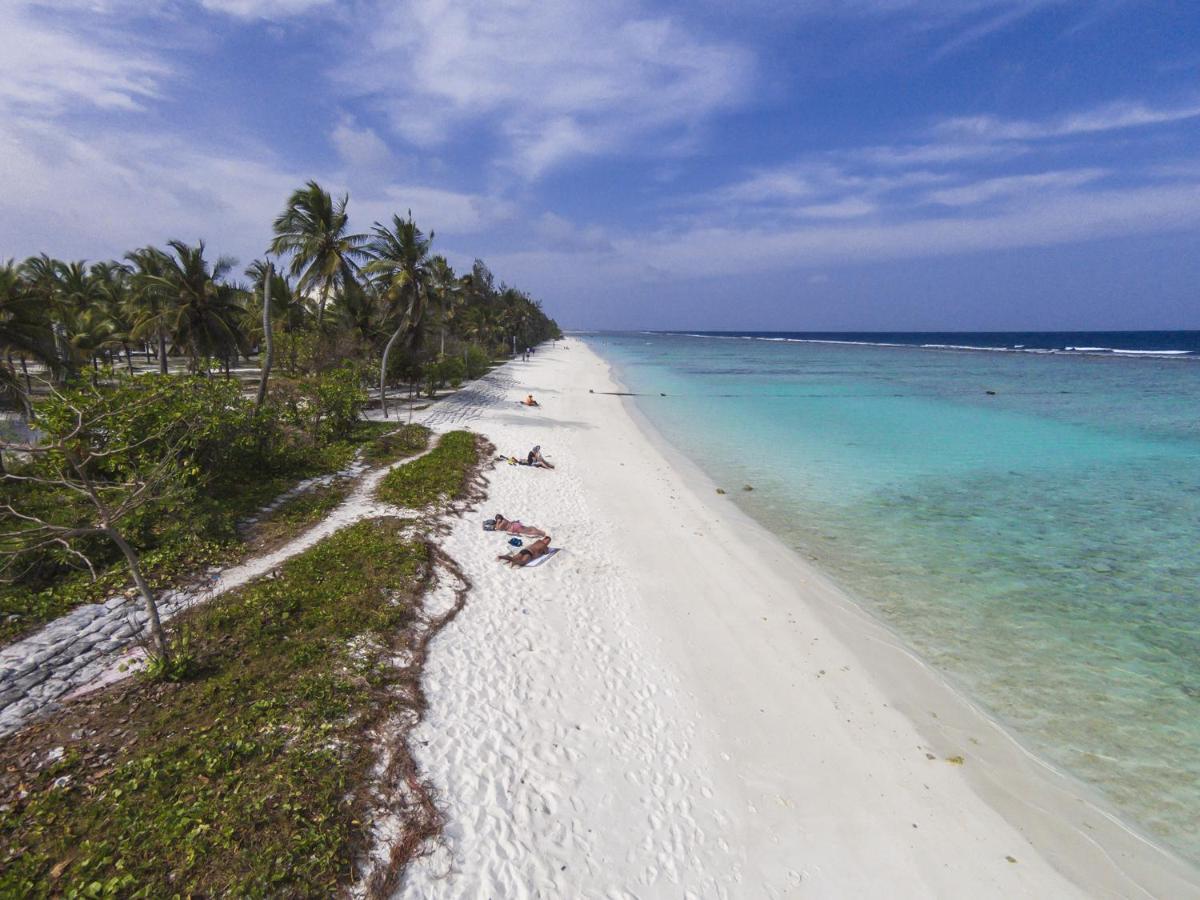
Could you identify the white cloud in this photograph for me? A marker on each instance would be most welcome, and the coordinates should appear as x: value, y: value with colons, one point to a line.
x: 262, y: 9
x: 362, y: 147
x: 932, y: 154
x: 1008, y: 186
x: 111, y: 191
x: 1044, y: 221
x: 1112, y: 117
x: 848, y: 208
x: 558, y: 233
x: 702, y: 251
x: 48, y: 67
x: 551, y: 81
x: 446, y: 212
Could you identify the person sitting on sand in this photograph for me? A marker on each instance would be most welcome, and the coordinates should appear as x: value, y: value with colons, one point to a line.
x: 526, y: 555
x: 536, y: 459
x: 529, y: 401
x: 513, y: 526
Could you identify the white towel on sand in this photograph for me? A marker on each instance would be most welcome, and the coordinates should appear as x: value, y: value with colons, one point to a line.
x: 541, y: 559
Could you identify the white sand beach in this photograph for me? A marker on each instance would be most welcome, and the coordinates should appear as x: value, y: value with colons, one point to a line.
x: 679, y: 706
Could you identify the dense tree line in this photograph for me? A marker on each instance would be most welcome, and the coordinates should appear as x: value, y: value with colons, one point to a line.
x: 382, y: 297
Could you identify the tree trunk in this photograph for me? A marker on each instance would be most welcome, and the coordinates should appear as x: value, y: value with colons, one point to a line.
x: 162, y: 352
x: 268, y: 341
x: 128, y: 357
x: 383, y: 370
x: 25, y: 372
x: 321, y: 305
x: 157, y: 635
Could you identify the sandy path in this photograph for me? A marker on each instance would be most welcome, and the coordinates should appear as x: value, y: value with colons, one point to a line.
x: 677, y: 706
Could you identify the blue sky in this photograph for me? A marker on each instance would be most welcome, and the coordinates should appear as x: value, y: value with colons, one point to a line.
x: 819, y: 164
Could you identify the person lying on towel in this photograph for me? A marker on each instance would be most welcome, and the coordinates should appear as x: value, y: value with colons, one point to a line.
x: 526, y: 555
x: 511, y: 526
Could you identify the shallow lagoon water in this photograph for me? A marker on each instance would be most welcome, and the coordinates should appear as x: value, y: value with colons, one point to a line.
x: 1039, y: 544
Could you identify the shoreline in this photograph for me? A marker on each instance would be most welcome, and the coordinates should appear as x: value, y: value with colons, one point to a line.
x: 680, y: 702
x: 1010, y: 768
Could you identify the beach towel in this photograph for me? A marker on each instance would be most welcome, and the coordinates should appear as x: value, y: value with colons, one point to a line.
x: 543, y: 558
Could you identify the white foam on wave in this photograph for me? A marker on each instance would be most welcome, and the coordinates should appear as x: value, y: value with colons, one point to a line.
x: 1154, y: 352
x: 1017, y: 348
x: 961, y: 347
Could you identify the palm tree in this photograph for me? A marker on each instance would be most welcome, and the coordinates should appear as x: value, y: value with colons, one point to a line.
x: 24, y: 329
x: 313, y: 229
x: 448, y: 293
x: 43, y: 276
x: 400, y: 264
x: 518, y: 315
x: 290, y: 310
x: 203, y: 311
x: 111, y: 280
x: 150, y: 299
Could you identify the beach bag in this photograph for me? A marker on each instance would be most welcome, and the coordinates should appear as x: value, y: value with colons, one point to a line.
x: 516, y: 542
x: 489, y: 525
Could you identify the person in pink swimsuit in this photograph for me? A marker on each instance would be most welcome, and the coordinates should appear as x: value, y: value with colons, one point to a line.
x: 512, y: 526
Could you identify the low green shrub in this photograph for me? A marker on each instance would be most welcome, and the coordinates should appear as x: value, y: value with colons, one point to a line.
x: 477, y: 362
x: 440, y: 475
x: 408, y: 440
x: 325, y: 406
x: 452, y: 371
x: 246, y: 778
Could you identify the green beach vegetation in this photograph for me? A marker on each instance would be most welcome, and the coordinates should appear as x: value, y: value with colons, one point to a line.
x: 251, y: 754
x: 251, y: 766
x: 250, y: 777
x: 439, y: 476
x: 160, y: 399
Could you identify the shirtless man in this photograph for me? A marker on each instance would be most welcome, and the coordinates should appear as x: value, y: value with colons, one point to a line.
x: 526, y: 555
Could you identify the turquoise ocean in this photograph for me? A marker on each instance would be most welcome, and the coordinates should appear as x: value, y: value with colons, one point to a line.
x: 1038, y: 544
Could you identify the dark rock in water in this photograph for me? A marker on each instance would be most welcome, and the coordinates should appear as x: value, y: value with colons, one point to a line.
x: 662, y: 394
x: 720, y: 490
x: 746, y: 487
x: 590, y: 391
x: 990, y: 393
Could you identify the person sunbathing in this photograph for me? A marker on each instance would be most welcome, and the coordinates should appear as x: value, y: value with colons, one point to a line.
x: 536, y: 459
x: 529, y: 401
x: 513, y: 526
x: 526, y: 555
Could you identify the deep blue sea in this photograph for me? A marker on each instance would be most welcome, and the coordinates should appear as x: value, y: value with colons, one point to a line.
x: 1026, y: 515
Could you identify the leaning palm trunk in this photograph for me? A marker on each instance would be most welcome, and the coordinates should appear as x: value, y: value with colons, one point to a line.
x: 162, y: 352
x: 321, y: 305
x: 268, y: 341
x: 384, y: 366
